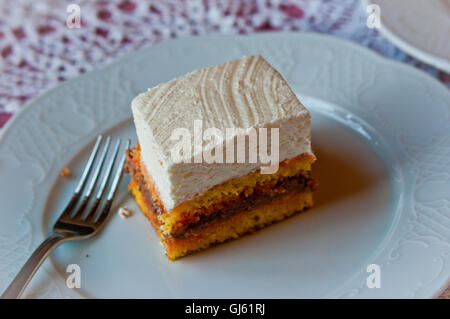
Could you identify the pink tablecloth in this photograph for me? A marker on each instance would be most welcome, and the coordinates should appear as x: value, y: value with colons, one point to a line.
x: 38, y: 50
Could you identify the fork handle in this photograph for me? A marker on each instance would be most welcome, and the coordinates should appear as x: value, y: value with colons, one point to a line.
x: 25, y: 274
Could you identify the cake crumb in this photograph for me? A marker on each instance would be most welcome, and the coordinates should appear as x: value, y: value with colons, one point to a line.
x: 65, y: 172
x: 124, y: 212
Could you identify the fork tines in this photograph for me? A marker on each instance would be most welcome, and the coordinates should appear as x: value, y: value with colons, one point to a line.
x: 82, y: 213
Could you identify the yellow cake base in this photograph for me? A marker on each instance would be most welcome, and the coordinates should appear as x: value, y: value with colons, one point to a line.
x: 223, y: 230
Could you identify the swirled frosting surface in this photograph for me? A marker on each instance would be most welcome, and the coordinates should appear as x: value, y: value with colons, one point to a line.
x: 246, y: 93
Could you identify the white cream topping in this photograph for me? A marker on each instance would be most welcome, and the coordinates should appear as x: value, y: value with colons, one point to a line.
x: 246, y: 93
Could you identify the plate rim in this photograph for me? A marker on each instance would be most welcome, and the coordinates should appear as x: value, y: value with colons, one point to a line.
x: 403, y: 44
x: 120, y: 59
x: 125, y: 56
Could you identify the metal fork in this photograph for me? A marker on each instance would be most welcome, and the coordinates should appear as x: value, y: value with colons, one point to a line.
x: 77, y: 223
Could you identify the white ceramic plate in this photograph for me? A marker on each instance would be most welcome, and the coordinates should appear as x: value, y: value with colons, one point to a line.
x: 419, y: 27
x: 382, y: 136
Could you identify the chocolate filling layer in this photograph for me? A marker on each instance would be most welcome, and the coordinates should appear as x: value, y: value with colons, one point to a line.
x: 262, y: 194
x: 297, y: 183
x: 129, y: 168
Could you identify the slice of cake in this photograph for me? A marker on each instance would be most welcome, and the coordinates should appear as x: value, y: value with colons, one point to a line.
x: 221, y: 152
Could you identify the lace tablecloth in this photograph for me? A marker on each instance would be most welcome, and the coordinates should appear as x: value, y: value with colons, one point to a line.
x: 38, y: 50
